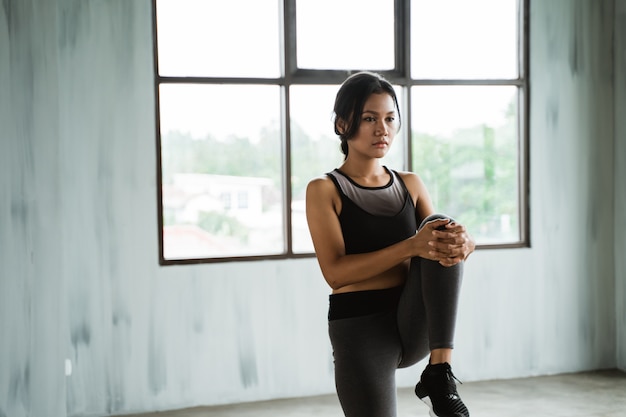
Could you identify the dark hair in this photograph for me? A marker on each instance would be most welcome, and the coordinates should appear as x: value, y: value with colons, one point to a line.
x: 351, y: 98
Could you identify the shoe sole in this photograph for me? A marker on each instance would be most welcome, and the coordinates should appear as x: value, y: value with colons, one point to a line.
x: 423, y: 396
x: 429, y: 403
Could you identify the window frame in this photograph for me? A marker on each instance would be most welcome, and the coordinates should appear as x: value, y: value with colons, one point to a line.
x: 400, y: 75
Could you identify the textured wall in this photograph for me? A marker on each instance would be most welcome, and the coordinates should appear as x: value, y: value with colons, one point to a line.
x: 620, y: 177
x: 31, y: 284
x: 79, y: 277
x: 572, y: 119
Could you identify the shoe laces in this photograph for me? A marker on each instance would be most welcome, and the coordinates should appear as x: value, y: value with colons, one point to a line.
x: 445, y: 381
x: 451, y: 374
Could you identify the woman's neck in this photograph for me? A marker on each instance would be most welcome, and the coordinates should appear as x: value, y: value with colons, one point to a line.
x: 367, y: 174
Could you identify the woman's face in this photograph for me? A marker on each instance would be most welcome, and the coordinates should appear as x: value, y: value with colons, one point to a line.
x: 378, y: 126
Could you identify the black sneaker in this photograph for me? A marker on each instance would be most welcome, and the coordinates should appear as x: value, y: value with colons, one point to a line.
x: 438, y: 390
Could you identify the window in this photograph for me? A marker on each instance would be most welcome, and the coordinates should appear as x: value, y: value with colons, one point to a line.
x: 245, y: 90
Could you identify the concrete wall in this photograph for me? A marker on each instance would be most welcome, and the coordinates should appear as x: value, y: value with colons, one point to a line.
x: 79, y: 276
x: 620, y: 178
x: 32, y: 297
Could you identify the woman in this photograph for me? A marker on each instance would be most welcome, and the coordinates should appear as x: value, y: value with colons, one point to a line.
x: 395, y: 286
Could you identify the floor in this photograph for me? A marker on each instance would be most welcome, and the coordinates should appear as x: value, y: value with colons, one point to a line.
x: 588, y: 394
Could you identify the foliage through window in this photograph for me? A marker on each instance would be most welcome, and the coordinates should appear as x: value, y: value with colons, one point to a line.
x: 245, y: 91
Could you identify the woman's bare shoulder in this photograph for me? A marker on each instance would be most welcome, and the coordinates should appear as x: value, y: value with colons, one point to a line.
x: 320, y: 184
x: 321, y: 189
x: 411, y: 179
x: 416, y: 186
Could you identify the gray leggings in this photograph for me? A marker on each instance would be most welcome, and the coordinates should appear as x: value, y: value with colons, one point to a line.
x: 368, y: 349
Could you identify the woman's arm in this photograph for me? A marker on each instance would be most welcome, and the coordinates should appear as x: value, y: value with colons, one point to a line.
x: 339, y: 269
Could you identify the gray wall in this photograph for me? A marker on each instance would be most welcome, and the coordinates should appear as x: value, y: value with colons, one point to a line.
x: 620, y: 178
x: 79, y: 277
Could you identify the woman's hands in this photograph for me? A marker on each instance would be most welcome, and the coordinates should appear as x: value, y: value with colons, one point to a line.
x: 445, y: 241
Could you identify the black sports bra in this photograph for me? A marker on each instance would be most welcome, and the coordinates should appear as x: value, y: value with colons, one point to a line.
x: 365, y: 232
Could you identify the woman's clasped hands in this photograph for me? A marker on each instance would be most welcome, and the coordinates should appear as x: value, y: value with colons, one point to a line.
x: 444, y: 241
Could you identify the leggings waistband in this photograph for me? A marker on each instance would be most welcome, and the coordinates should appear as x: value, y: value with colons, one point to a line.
x: 361, y: 303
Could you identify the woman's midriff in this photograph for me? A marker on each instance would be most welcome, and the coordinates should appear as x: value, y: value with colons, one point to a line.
x: 391, y: 278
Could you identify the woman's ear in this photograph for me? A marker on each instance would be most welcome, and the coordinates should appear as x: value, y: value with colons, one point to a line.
x: 341, y: 126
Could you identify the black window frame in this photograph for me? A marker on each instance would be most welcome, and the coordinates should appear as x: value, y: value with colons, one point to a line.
x: 400, y: 75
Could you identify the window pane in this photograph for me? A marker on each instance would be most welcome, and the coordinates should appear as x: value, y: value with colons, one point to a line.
x: 340, y: 34
x: 460, y: 39
x: 466, y: 151
x: 221, y: 166
x: 315, y: 150
x: 211, y: 38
